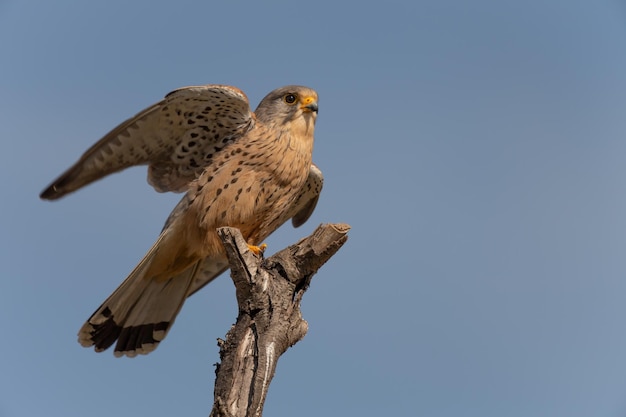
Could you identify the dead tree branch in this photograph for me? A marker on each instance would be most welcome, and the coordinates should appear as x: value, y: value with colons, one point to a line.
x: 269, y: 292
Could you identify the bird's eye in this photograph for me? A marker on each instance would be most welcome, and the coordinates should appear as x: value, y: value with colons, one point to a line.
x: 290, y: 98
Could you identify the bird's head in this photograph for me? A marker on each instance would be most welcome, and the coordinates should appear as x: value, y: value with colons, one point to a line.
x: 293, y: 103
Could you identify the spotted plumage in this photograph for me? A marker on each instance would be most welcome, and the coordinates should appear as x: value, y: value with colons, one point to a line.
x: 242, y: 169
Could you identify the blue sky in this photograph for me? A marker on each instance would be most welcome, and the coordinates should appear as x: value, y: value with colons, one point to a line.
x: 476, y: 148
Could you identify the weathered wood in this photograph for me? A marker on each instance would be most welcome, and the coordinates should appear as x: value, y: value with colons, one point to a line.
x: 269, y: 292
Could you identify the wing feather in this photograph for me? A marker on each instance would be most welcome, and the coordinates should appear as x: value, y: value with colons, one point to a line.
x: 305, y: 203
x: 177, y: 137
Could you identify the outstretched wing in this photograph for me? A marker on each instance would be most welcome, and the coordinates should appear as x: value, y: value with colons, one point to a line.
x: 177, y: 137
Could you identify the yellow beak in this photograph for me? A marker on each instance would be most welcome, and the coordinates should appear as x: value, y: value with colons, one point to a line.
x: 309, y: 104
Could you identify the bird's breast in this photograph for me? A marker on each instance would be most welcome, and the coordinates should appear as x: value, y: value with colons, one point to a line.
x: 252, y: 184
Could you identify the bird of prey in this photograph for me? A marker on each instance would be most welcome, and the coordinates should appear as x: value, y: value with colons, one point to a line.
x: 238, y: 168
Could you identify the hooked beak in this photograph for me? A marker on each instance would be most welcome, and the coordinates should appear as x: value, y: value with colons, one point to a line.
x: 309, y: 104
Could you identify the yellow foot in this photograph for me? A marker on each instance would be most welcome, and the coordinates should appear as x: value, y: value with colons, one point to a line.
x: 258, y: 250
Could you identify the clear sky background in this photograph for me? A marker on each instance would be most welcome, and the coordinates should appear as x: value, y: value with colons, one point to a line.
x: 477, y: 149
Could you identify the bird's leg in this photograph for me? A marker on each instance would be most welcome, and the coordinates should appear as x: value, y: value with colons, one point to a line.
x: 257, y: 250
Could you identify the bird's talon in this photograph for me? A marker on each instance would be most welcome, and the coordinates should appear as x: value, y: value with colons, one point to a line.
x: 258, y: 250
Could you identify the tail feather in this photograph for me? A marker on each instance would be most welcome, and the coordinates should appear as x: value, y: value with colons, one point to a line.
x: 208, y: 270
x: 140, y: 311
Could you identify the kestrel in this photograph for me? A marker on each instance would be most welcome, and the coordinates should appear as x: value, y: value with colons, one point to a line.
x: 244, y: 169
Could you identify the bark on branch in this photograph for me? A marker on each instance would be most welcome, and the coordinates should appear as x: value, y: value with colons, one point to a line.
x: 269, y: 292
